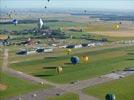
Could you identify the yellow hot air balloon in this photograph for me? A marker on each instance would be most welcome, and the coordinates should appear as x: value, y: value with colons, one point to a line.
x: 69, y: 51
x: 85, y: 58
x: 59, y: 69
x: 116, y: 26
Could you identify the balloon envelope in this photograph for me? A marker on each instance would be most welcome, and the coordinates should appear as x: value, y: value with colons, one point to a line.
x: 116, y: 27
x: 69, y: 51
x: 15, y: 22
x: 85, y: 58
x: 110, y: 97
x: 59, y: 69
x: 75, y: 60
x: 40, y: 24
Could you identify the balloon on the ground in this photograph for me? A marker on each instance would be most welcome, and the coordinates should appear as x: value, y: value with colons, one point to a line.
x: 40, y: 24
x: 110, y: 97
x: 59, y: 69
x: 75, y: 60
x: 15, y: 22
x: 85, y: 58
x: 69, y: 51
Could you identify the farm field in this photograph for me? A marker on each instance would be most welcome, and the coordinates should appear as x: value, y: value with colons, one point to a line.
x: 122, y: 88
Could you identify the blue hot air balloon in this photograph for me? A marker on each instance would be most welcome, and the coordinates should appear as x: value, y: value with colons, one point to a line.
x: 110, y: 96
x: 75, y: 59
x: 15, y: 22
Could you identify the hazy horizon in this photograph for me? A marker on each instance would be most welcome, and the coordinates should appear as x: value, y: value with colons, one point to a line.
x: 119, y: 5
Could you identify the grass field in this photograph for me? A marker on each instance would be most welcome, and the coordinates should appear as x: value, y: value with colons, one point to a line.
x: 66, y: 96
x: 1, y: 57
x: 123, y: 89
x: 16, y: 86
x: 100, y: 62
x: 53, y: 25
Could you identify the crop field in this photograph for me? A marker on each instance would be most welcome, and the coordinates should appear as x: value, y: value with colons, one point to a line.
x: 123, y: 89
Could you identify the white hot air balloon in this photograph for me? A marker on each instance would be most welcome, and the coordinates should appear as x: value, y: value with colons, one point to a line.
x: 40, y: 24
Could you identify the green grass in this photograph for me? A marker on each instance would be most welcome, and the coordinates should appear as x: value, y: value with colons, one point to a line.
x: 16, y: 86
x: 66, y: 96
x: 1, y: 57
x: 123, y: 89
x: 100, y: 62
x: 19, y: 27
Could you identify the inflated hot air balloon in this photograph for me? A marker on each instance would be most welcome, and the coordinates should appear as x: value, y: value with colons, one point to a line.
x: 10, y: 16
x: 69, y: 51
x: 40, y: 24
x: 59, y: 69
x: 85, y: 11
x: 48, y: 0
x: 110, y: 97
x: 116, y: 26
x: 75, y: 60
x: 15, y: 22
x: 71, y: 36
x: 85, y: 58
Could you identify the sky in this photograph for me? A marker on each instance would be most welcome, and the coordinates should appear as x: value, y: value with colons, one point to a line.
x: 81, y: 4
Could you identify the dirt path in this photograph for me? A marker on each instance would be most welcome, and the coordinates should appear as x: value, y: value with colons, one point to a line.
x: 5, y: 60
x: 58, y: 88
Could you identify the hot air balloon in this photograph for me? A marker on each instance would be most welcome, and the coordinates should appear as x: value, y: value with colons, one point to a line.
x: 71, y: 36
x: 85, y: 11
x: 110, y: 96
x: 15, y: 22
x: 85, y: 58
x: 69, y: 51
x: 116, y: 26
x: 59, y: 69
x: 75, y: 60
x: 40, y: 24
x: 45, y: 7
x: 48, y: 0
x: 10, y: 16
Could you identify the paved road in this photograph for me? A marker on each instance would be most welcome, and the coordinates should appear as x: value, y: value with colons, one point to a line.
x: 59, y: 89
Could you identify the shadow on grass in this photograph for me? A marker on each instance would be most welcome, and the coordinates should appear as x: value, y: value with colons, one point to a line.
x: 50, y: 57
x: 130, y: 53
x: 130, y: 50
x: 130, y: 59
x: 49, y: 67
x: 43, y: 75
x: 68, y: 63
